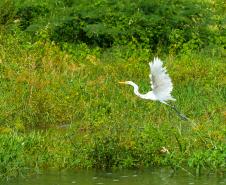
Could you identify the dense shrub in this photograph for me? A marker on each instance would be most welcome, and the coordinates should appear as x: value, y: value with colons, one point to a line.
x: 28, y: 13
x: 73, y: 30
x: 173, y: 26
x: 7, y: 11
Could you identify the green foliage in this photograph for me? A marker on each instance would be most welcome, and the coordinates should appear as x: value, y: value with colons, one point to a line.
x: 7, y: 11
x: 61, y: 105
x: 172, y: 25
x: 10, y: 157
x: 28, y: 13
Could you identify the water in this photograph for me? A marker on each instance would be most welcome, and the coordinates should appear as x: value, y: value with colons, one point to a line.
x: 123, y: 177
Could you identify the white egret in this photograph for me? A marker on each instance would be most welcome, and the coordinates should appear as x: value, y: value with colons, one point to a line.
x: 161, y: 85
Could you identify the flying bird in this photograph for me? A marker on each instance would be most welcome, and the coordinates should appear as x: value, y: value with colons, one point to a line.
x: 161, y: 85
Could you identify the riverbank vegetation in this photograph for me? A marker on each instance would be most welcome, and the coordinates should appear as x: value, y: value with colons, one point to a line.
x: 61, y: 104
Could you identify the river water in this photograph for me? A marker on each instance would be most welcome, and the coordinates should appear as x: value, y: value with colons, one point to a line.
x: 122, y: 177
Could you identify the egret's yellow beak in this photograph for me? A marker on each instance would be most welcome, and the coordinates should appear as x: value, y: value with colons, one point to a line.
x: 121, y: 82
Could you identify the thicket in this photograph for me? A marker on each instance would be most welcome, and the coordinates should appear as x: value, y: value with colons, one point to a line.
x: 172, y: 25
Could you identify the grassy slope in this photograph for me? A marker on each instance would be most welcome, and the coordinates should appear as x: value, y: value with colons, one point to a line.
x: 44, y: 88
x: 109, y: 126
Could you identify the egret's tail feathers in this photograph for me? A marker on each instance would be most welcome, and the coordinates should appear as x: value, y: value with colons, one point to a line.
x: 171, y: 98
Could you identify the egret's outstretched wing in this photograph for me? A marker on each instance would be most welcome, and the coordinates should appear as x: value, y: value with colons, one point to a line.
x: 160, y: 81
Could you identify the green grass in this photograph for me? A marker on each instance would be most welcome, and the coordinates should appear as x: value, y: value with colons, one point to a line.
x: 61, y: 104
x: 43, y: 88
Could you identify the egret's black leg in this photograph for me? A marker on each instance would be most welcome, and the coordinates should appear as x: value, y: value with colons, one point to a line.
x: 182, y: 116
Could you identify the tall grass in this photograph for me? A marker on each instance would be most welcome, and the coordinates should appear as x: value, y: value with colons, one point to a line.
x: 72, y: 107
x: 61, y: 105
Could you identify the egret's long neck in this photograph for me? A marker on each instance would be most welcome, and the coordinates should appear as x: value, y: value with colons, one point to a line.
x: 136, y: 90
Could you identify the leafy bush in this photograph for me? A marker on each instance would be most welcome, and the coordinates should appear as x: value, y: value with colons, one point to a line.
x: 28, y: 13
x: 173, y: 26
x: 7, y: 11
x: 77, y: 30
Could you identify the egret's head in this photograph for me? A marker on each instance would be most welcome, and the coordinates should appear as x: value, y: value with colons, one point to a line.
x: 126, y: 82
x: 130, y: 83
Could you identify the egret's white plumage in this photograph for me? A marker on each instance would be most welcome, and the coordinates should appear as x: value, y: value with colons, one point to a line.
x: 161, y: 83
